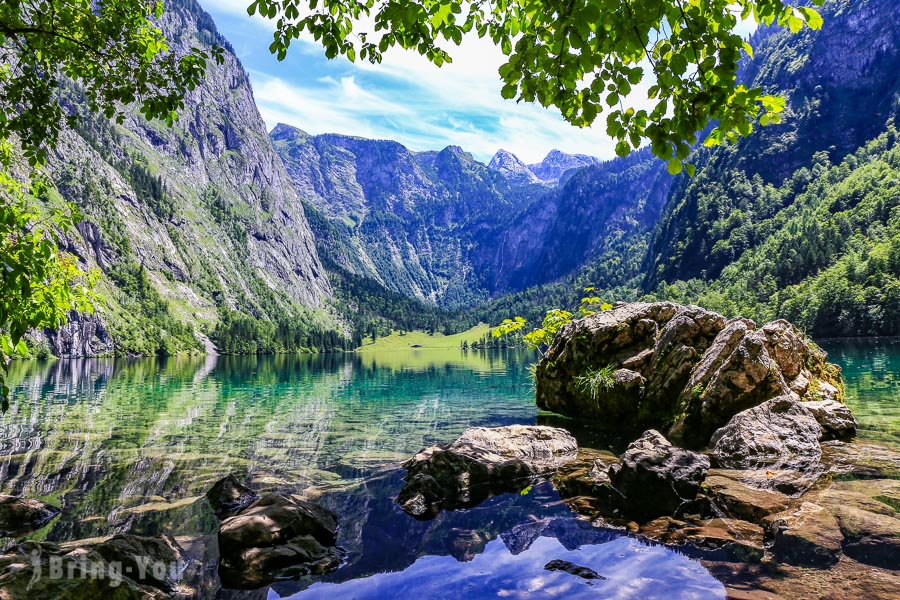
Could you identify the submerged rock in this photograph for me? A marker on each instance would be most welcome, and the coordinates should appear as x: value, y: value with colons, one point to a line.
x: 573, y: 569
x: 481, y: 463
x: 680, y: 369
x: 228, y: 496
x: 22, y: 515
x: 655, y: 477
x: 809, y: 536
x: 278, y: 535
x: 779, y: 433
x: 123, y: 567
x: 740, y: 539
x: 733, y: 498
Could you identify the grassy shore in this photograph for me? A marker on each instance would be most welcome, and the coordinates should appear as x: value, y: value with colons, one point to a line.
x: 421, y: 339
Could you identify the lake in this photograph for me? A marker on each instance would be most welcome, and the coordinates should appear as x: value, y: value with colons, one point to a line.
x: 132, y: 445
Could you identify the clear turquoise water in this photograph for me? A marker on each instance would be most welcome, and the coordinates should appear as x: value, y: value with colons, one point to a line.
x: 132, y: 445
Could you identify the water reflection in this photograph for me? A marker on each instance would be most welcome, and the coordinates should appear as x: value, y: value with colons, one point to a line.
x: 132, y: 446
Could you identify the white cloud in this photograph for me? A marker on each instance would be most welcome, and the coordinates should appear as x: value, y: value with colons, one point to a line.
x: 407, y: 98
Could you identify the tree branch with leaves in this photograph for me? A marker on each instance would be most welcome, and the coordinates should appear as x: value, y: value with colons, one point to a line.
x: 583, y: 57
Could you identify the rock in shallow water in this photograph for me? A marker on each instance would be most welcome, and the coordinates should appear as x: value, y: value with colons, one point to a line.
x: 779, y: 433
x: 228, y: 496
x: 680, y: 369
x: 481, y: 463
x: 21, y: 515
x: 835, y: 418
x: 809, y: 536
x: 278, y: 535
x: 657, y: 478
x: 122, y: 567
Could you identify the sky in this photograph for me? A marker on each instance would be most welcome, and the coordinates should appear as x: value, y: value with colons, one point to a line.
x: 405, y: 98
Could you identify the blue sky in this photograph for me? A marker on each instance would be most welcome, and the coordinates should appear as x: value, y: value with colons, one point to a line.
x: 404, y: 98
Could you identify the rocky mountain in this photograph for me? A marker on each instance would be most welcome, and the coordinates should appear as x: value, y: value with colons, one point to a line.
x: 443, y: 228
x: 556, y: 164
x: 514, y: 170
x: 555, y: 167
x: 189, y: 222
x: 423, y: 224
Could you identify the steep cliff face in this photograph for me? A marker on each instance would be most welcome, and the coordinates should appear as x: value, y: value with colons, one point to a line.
x: 199, y: 218
x: 418, y: 223
x: 600, y: 219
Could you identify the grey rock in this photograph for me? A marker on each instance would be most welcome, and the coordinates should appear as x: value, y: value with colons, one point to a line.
x: 835, y: 418
x: 778, y: 434
x: 481, y: 463
x: 681, y: 369
x: 657, y: 478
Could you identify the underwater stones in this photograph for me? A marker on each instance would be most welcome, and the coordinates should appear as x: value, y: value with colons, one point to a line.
x: 680, y: 369
x: 277, y: 535
x: 481, y: 463
x: 741, y: 539
x: 153, y: 561
x: 735, y: 499
x: 229, y: 496
x: 808, y: 536
x: 122, y: 567
x: 22, y: 515
x: 835, y: 418
x: 573, y: 569
x: 657, y: 478
x: 779, y: 433
x: 870, y: 537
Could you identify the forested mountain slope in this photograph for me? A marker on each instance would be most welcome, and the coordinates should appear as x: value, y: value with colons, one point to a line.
x: 800, y: 220
x: 188, y: 223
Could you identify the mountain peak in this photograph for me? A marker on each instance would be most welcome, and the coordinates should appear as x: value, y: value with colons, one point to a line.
x: 283, y: 131
x: 510, y: 166
x: 557, y: 162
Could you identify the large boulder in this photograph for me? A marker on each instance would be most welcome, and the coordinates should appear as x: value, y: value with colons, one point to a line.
x: 657, y: 478
x: 22, y: 515
x: 778, y: 434
x: 680, y: 369
x: 481, y: 463
x: 278, y: 535
x: 658, y: 341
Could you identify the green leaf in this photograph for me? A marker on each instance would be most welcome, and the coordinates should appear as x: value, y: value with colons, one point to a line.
x: 674, y: 166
